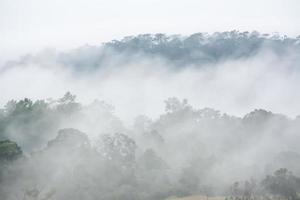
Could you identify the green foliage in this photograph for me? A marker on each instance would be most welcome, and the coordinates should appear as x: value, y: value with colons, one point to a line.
x: 116, y: 166
x: 282, y: 183
x: 9, y: 150
x: 32, y: 123
x: 67, y: 104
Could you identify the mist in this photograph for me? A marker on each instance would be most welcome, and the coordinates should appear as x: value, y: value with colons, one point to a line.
x: 153, y: 117
x: 138, y: 82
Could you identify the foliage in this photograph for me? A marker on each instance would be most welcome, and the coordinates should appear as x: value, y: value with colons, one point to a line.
x: 9, y: 151
x: 184, y: 151
x: 283, y: 183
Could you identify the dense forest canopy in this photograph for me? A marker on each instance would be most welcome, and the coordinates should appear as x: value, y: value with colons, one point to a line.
x: 75, y: 151
x: 196, y: 50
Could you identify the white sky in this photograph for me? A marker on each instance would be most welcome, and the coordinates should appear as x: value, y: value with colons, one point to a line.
x: 30, y: 25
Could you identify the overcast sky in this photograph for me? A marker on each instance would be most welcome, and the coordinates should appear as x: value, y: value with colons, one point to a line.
x: 30, y: 25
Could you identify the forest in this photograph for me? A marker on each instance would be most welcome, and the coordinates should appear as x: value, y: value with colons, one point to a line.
x: 64, y: 149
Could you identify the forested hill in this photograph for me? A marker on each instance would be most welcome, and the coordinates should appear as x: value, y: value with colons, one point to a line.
x: 180, y: 51
x: 201, y: 48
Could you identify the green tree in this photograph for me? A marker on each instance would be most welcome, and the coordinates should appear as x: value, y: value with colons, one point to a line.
x: 9, y: 151
x: 282, y: 183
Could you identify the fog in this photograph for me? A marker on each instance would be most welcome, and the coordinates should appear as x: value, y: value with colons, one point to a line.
x: 151, y: 117
x: 235, y: 85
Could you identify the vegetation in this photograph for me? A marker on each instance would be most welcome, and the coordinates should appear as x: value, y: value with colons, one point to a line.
x: 178, y: 51
x: 9, y: 151
x: 186, y: 151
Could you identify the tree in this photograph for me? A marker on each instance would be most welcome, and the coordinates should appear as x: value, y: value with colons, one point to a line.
x: 118, y: 147
x: 70, y: 138
x: 151, y: 161
x: 283, y: 184
x: 174, y: 105
x: 67, y: 104
x: 9, y: 151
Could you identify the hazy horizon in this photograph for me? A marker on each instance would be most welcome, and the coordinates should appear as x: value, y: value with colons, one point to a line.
x: 28, y: 27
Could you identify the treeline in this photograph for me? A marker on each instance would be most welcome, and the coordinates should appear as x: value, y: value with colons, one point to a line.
x: 203, y: 48
x: 198, y: 50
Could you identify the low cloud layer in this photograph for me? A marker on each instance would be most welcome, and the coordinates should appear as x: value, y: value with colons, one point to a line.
x: 233, y: 72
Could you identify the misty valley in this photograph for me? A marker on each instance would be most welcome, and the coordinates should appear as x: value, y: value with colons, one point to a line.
x: 154, y: 117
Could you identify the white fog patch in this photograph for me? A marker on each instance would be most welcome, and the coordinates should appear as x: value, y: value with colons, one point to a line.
x: 235, y: 87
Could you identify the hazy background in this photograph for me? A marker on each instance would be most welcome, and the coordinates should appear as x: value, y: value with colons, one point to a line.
x: 31, y: 25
